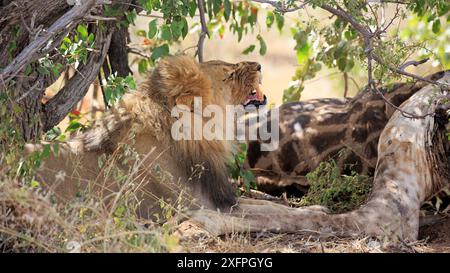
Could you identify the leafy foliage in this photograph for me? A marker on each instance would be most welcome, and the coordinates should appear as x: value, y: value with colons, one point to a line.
x: 243, y: 176
x: 76, y: 49
x: 116, y: 87
x: 337, y: 192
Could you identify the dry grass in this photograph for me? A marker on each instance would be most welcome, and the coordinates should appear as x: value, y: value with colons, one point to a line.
x: 31, y: 222
x: 266, y: 242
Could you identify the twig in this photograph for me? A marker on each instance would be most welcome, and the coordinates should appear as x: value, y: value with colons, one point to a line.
x: 102, y: 90
x: 397, y: 11
x: 67, y: 21
x: 100, y: 18
x: 404, y: 73
x: 345, y: 84
x: 137, y: 52
x: 366, y: 34
x: 188, y: 48
x: 355, y: 83
x: 204, y: 32
x: 57, y: 107
x: 280, y: 6
x: 37, y: 84
x: 372, y: 86
x: 151, y: 16
x: 415, y: 63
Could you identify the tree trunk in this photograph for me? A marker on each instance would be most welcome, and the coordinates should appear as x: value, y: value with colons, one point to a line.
x: 29, y: 29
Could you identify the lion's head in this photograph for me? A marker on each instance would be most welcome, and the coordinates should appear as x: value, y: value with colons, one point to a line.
x: 178, y: 79
x: 240, y: 81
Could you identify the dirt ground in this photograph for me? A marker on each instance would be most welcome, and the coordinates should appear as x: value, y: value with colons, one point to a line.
x: 438, y: 236
x: 432, y: 238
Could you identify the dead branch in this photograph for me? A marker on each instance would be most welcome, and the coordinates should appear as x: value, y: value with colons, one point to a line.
x: 57, y: 107
x: 41, y: 45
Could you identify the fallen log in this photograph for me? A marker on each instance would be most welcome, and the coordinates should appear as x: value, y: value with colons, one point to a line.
x: 413, y: 164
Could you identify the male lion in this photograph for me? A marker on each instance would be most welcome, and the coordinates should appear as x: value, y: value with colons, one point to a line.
x: 190, y: 172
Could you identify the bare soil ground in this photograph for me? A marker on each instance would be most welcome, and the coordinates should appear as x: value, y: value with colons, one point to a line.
x: 432, y: 238
x: 437, y: 235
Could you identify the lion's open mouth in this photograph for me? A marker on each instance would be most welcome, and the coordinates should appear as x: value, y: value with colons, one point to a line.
x: 256, y: 98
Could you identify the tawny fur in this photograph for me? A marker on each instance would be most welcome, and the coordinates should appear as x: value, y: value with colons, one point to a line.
x: 194, y: 170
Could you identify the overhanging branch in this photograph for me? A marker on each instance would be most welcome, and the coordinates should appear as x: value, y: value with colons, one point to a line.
x: 368, y: 36
x: 41, y: 45
x: 63, y: 102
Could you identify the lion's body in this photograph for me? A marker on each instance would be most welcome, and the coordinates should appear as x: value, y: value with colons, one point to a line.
x: 183, y: 173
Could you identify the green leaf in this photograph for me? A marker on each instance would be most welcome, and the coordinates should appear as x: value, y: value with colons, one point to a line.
x: 249, y: 49
x: 90, y: 38
x: 82, y: 31
x: 56, y: 148
x: 129, y: 80
x: 436, y: 26
x: 131, y: 16
x: 303, y: 53
x: 185, y: 29
x: 192, y: 8
x: 43, y: 71
x: 46, y: 151
x: 166, y: 34
x: 152, y: 28
x: 141, y: 33
x: 176, y: 28
x: 73, y: 126
x: 262, y: 44
x: 279, y: 19
x: 342, y: 63
x: 28, y: 70
x: 67, y: 40
x: 160, y: 51
x: 216, y: 6
x: 270, y: 19
x: 34, y: 184
x: 226, y: 9
x: 142, y: 66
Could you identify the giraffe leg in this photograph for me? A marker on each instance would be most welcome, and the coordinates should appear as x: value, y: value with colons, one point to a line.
x: 409, y: 149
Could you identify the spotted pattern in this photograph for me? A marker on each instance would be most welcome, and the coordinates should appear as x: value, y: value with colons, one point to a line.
x: 316, y: 130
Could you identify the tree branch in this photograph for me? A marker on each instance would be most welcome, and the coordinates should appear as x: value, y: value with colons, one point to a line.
x: 415, y: 63
x: 62, y: 103
x: 118, y: 52
x: 204, y: 32
x: 40, y: 45
x: 368, y: 35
